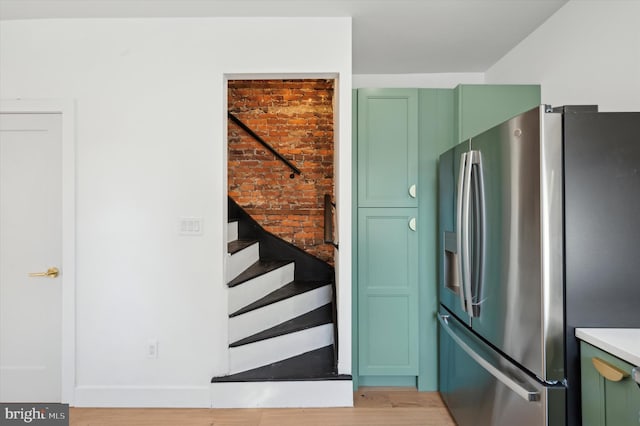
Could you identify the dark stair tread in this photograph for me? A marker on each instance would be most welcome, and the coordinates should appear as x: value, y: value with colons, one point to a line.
x: 320, y: 316
x: 313, y: 365
x: 260, y: 267
x: 237, y: 245
x: 292, y: 289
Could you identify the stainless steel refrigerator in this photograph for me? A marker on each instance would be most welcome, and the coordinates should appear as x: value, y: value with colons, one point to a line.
x: 539, y: 225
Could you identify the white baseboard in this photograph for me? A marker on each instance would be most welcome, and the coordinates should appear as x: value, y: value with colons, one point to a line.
x: 319, y: 393
x: 143, y: 396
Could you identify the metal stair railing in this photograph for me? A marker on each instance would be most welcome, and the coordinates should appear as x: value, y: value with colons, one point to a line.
x: 236, y: 120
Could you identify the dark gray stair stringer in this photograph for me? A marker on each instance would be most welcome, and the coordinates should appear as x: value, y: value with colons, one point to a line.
x: 308, y: 267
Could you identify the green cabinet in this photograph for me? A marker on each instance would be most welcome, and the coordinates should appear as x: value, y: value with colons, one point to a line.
x: 387, y: 241
x: 478, y: 107
x: 388, y: 154
x: 607, y: 402
x: 398, y: 135
x: 387, y: 294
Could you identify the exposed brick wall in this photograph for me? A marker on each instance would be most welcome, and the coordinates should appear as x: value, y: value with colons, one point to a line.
x: 296, y: 118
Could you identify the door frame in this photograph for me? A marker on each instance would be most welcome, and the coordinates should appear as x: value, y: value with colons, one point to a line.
x: 68, y: 333
x: 342, y: 164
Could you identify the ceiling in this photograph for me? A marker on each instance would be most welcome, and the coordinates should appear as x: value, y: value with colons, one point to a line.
x: 389, y: 36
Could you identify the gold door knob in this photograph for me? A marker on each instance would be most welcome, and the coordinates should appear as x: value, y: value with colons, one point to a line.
x: 51, y: 273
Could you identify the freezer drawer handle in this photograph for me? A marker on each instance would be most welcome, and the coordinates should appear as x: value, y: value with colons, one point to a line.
x: 499, y: 375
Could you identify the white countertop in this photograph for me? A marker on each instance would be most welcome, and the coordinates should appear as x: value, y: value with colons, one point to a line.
x: 621, y: 342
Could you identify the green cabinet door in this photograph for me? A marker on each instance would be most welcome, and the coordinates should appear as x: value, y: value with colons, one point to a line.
x: 606, y: 402
x: 387, y: 291
x: 482, y: 106
x: 387, y: 147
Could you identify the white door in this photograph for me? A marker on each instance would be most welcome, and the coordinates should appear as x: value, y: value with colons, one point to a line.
x: 30, y: 242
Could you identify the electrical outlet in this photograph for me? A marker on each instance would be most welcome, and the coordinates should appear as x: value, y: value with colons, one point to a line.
x: 152, y: 349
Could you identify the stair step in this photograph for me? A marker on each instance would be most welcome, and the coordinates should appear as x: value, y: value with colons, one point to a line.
x: 292, y: 289
x: 258, y: 287
x: 319, y: 316
x: 261, y: 267
x: 237, y: 245
x: 258, y: 320
x: 244, y: 256
x: 313, y: 365
x: 265, y: 352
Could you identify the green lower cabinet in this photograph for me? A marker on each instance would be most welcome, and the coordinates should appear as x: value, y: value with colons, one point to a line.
x: 387, y: 292
x: 607, y: 402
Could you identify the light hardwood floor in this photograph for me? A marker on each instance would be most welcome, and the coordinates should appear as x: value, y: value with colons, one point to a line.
x: 372, y: 407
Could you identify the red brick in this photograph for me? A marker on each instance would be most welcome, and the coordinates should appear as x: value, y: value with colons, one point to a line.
x: 296, y: 117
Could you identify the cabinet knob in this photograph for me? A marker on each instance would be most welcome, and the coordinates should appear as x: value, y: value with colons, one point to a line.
x: 412, y: 191
x: 608, y: 371
x: 412, y: 223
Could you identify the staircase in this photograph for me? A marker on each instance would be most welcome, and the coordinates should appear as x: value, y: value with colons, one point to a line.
x: 282, y: 334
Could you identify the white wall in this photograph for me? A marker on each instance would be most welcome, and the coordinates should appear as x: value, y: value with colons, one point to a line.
x: 586, y: 53
x: 150, y: 99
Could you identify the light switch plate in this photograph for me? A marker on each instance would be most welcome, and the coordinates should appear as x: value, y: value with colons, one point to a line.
x: 191, y: 226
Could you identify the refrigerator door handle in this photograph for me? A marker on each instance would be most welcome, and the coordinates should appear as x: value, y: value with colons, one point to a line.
x: 475, y: 291
x: 459, y: 197
x: 466, y: 253
x: 523, y: 393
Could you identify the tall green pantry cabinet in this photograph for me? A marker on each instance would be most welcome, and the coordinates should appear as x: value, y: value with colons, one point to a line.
x: 398, y: 135
x: 387, y: 241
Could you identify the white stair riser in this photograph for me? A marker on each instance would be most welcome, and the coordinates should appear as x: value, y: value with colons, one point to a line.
x: 271, y: 315
x: 316, y: 393
x: 232, y: 231
x: 264, y: 352
x: 238, y: 262
x: 250, y: 291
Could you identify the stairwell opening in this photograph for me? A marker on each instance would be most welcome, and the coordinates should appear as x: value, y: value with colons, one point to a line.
x: 280, y: 261
x: 296, y: 118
